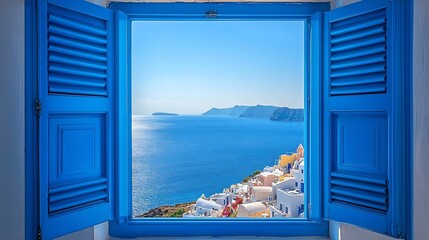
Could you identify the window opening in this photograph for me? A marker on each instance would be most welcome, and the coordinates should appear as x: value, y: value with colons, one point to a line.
x: 217, y: 125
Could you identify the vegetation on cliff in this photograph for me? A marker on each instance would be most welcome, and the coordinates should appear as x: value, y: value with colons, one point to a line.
x: 168, y: 211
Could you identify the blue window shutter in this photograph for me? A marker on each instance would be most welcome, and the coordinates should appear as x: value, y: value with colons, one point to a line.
x: 357, y: 115
x: 75, y: 88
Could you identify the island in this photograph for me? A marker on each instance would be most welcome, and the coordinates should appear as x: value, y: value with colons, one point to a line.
x: 232, y: 111
x: 273, y: 113
x: 259, y: 111
x: 164, y: 114
x: 286, y: 114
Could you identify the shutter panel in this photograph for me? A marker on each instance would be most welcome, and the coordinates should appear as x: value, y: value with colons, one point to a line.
x: 76, y: 52
x: 357, y: 115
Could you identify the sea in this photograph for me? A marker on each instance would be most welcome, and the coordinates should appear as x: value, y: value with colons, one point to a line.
x: 176, y: 159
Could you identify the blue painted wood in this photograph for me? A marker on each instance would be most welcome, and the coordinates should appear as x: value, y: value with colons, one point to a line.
x: 401, y: 169
x: 362, y: 117
x: 123, y: 119
x: 363, y: 35
x: 213, y: 227
x: 307, y: 60
x: 224, y: 11
x: 77, y: 52
x: 400, y: 222
x: 124, y: 225
x: 314, y: 166
x: 76, y: 79
x: 31, y: 143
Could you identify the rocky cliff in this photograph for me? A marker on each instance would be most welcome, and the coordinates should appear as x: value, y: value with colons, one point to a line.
x: 232, y: 111
x: 259, y: 111
x: 272, y: 113
x: 286, y: 114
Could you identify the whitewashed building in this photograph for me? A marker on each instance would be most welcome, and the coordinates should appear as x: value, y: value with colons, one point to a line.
x: 290, y: 203
x: 223, y: 199
x: 261, y: 193
x: 288, y: 183
x: 256, y: 209
x: 204, y: 208
x: 289, y: 194
x: 239, y: 188
x: 298, y: 174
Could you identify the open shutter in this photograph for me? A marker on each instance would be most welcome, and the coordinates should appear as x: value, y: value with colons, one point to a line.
x: 76, y: 120
x: 358, y: 121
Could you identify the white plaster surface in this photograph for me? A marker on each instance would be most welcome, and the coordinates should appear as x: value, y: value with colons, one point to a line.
x: 97, y: 232
x: 350, y: 232
x: 85, y: 234
x: 343, y: 231
x: 341, y: 3
x: 421, y: 119
x: 101, y: 231
x: 12, y: 137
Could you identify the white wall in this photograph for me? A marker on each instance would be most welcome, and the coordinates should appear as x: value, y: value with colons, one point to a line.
x: 342, y: 231
x: 12, y: 119
x: 340, y: 3
x: 97, y: 232
x: 421, y: 119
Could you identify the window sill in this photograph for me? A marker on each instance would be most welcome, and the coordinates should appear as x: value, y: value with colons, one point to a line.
x: 226, y: 238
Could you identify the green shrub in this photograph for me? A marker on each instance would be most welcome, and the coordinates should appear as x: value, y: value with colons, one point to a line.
x: 178, y: 213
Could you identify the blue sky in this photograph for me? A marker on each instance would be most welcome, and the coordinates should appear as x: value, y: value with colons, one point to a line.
x: 188, y: 67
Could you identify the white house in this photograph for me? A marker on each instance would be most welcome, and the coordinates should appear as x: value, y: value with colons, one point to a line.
x: 298, y: 174
x: 261, y: 193
x: 288, y: 183
x: 239, y: 188
x: 289, y: 194
x: 203, y: 208
x: 223, y: 199
x: 257, y: 209
x: 290, y: 203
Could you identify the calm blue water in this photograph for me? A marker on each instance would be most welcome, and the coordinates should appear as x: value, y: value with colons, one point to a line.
x: 177, y: 158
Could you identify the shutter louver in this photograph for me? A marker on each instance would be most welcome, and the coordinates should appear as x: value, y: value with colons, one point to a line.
x: 77, y: 53
x: 365, y: 192
x: 70, y: 196
x: 358, y: 54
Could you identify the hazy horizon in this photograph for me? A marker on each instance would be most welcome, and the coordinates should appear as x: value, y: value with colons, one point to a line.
x: 196, y: 114
x: 189, y: 67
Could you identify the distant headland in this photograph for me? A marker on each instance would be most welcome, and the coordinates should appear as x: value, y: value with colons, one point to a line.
x: 164, y: 114
x: 272, y: 113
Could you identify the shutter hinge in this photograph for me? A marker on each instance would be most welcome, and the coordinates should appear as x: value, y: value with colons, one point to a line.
x: 38, y: 106
x: 39, y: 233
x: 211, y: 14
